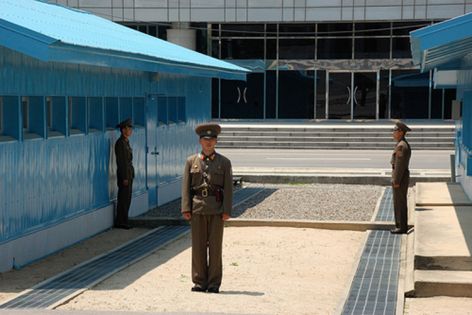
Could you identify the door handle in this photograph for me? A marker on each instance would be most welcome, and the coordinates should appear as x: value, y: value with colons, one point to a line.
x: 154, y: 153
x: 349, y: 95
x: 354, y: 95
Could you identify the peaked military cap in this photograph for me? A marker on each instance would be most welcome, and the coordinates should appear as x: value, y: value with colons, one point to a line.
x: 401, y: 126
x: 125, y: 123
x: 208, y: 131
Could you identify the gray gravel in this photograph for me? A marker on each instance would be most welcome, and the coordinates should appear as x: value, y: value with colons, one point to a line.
x: 300, y: 202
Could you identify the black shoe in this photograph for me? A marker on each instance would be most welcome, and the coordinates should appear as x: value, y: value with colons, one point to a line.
x: 197, y: 288
x: 397, y: 231
x: 123, y: 226
x: 213, y: 290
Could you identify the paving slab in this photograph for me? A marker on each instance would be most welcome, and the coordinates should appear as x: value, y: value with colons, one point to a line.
x: 443, y: 238
x: 441, y: 194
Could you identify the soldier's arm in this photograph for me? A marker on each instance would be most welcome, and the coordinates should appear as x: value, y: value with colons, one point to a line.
x: 401, y: 164
x: 186, y: 205
x: 121, y: 164
x: 228, y: 189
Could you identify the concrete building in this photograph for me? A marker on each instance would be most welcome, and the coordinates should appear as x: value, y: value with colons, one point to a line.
x: 311, y: 59
x: 67, y: 78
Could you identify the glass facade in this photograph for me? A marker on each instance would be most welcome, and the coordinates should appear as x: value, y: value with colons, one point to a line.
x: 325, y: 71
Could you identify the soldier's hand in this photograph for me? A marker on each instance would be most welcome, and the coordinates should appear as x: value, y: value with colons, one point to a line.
x: 225, y: 216
x: 187, y: 215
x: 396, y: 185
x: 125, y: 182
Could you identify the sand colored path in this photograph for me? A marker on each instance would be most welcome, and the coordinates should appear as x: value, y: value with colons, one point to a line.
x: 266, y: 271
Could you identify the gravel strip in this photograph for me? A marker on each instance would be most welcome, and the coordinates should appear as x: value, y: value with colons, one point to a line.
x: 321, y: 202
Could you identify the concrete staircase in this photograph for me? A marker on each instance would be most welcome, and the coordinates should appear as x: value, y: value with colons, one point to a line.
x: 348, y: 135
x: 442, y: 241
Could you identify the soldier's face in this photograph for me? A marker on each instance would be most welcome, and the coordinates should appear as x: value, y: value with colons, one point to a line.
x: 127, y: 131
x: 398, y: 134
x: 208, y: 145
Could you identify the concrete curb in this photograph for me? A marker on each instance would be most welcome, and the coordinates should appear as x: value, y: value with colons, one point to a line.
x: 309, y: 224
x: 360, y: 179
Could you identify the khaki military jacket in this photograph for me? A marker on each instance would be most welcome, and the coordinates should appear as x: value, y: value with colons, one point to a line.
x: 400, y: 161
x: 219, y: 176
x: 124, y: 160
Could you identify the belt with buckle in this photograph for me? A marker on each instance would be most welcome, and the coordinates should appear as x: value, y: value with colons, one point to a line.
x: 204, y: 192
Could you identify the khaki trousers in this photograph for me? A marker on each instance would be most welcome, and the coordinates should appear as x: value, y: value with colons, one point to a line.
x: 400, y: 203
x: 207, y: 241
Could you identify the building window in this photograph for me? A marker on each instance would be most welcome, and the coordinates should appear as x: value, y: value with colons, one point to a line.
x: 172, y: 103
x: 126, y: 108
x: 1, y: 115
x: 77, y: 115
x: 25, y: 112
x: 111, y: 112
x: 55, y: 115
x: 162, y: 114
x: 138, y: 111
x: 181, y: 112
x: 95, y: 114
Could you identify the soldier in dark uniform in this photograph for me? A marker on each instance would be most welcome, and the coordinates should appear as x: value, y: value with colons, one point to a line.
x: 400, y: 177
x: 207, y: 197
x: 125, y: 173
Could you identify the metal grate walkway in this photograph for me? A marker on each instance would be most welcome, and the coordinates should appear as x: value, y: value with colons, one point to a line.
x: 375, y: 284
x: 76, y: 280
x: 385, y: 212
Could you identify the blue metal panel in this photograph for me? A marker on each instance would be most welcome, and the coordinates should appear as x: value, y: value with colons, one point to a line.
x: 11, y: 113
x: 84, y: 38
x: 151, y: 149
x: 442, y: 43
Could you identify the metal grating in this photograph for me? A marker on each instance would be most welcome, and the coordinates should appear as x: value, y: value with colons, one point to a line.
x: 92, y: 272
x: 385, y: 212
x: 374, y: 287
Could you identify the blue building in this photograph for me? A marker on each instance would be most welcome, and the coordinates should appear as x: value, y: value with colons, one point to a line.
x: 67, y: 78
x: 446, y: 49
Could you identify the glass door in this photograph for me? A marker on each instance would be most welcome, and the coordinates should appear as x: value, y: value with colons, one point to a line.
x: 339, y: 95
x: 365, y: 95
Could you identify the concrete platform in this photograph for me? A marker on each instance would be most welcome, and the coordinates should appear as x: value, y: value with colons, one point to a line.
x: 443, y: 241
x: 441, y: 194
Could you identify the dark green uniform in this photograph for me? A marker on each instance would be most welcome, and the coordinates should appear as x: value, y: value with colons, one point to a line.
x: 207, y: 193
x: 125, y: 171
x: 401, y: 176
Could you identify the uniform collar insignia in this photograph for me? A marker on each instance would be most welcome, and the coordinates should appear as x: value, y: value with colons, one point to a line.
x: 211, y: 157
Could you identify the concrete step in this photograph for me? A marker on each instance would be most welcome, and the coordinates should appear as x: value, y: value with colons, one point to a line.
x: 430, y: 283
x: 333, y: 138
x: 329, y: 145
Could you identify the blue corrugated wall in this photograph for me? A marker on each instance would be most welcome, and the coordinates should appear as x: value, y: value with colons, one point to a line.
x: 46, y: 181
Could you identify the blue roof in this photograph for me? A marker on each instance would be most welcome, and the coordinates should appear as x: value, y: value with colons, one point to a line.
x: 442, y: 45
x: 52, y: 32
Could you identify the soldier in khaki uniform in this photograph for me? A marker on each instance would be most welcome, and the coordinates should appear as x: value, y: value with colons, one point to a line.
x: 400, y: 177
x: 125, y: 173
x: 207, y: 198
